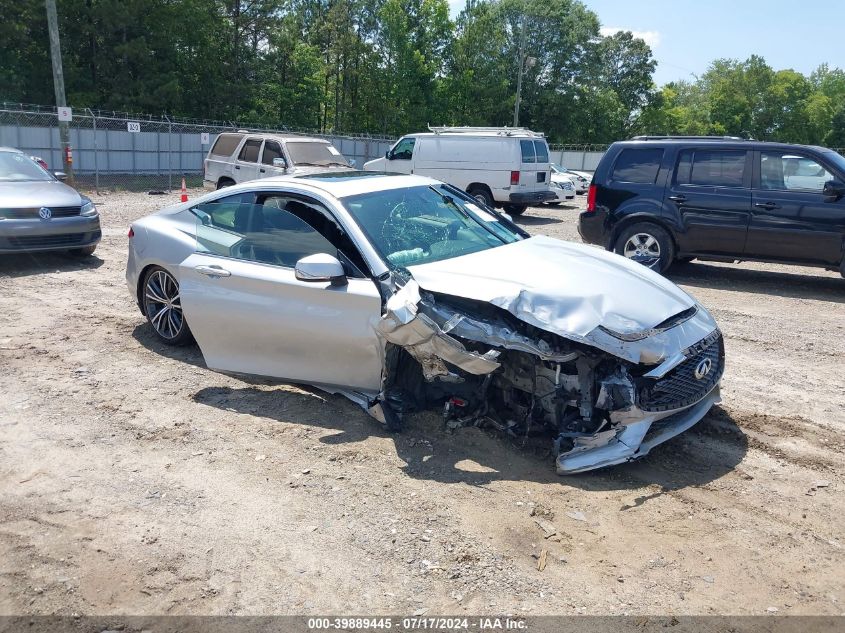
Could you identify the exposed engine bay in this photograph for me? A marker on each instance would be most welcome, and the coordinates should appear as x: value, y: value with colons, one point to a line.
x: 481, y: 365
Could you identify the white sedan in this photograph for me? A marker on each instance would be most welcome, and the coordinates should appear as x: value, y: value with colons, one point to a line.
x: 403, y: 293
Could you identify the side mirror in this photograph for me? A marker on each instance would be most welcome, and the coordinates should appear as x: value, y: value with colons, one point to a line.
x: 60, y: 175
x: 834, y: 189
x: 388, y: 155
x: 321, y: 267
x: 280, y: 162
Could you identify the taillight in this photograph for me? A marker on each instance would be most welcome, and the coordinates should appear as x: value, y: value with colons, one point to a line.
x: 131, y: 233
x: 591, y: 199
x: 514, y: 177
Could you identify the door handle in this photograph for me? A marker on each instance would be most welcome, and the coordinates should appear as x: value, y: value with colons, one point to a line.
x: 212, y: 271
x: 768, y: 206
x: 678, y: 198
x: 263, y: 171
x: 237, y: 166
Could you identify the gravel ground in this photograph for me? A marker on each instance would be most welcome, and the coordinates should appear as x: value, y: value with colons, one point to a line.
x: 135, y: 481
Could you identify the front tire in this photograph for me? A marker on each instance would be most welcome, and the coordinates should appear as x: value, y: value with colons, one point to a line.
x: 647, y: 244
x: 162, y: 305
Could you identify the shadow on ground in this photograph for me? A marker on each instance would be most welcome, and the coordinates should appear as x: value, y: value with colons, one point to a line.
x: 25, y: 264
x: 781, y: 283
x: 477, y: 457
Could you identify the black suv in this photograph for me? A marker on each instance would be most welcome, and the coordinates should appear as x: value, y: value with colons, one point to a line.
x: 660, y: 199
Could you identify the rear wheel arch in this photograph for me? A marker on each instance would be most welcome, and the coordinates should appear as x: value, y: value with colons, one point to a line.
x: 639, y: 218
x: 476, y: 189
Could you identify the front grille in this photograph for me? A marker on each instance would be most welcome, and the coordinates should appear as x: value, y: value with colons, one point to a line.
x: 31, y: 213
x: 680, y: 387
x: 46, y: 241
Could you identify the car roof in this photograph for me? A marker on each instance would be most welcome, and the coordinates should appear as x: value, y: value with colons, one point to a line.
x: 280, y: 137
x: 716, y: 140
x: 340, y: 184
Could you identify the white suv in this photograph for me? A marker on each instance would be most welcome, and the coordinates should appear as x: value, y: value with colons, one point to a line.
x: 239, y: 156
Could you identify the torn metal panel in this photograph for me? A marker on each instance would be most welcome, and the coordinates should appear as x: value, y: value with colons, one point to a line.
x: 404, y: 325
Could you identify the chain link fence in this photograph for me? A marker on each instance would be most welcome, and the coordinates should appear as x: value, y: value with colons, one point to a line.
x: 121, y: 151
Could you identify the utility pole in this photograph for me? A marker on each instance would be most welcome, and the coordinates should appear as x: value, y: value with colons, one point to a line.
x: 519, y: 74
x: 59, y: 82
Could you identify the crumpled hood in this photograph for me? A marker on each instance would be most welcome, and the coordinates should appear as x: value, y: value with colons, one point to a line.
x: 562, y: 287
x: 571, y: 289
x: 44, y: 193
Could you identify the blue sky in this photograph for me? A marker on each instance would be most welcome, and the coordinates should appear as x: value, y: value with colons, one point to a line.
x: 686, y: 35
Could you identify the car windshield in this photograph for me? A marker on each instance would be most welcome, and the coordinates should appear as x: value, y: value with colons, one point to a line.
x: 15, y: 167
x: 416, y: 225
x: 314, y: 153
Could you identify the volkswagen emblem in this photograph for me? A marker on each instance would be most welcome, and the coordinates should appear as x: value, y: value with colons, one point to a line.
x: 703, y: 368
x: 44, y: 213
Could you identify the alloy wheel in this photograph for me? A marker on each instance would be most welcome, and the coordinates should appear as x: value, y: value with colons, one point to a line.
x: 163, y: 304
x: 643, y: 248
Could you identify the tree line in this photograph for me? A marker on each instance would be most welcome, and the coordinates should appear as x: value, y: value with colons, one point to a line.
x: 390, y: 67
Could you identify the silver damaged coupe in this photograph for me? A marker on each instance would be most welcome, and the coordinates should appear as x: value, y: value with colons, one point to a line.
x: 403, y: 293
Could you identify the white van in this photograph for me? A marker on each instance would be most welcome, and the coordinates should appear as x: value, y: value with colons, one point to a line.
x: 236, y: 157
x: 503, y: 167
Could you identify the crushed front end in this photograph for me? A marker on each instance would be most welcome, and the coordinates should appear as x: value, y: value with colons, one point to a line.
x: 602, y: 399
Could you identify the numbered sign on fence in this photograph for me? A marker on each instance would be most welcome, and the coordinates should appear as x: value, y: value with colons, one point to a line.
x: 204, y: 138
x: 133, y: 126
x: 65, y: 114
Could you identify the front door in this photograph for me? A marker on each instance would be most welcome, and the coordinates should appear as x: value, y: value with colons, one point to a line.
x: 246, y: 165
x: 250, y: 314
x: 710, y: 198
x: 791, y: 219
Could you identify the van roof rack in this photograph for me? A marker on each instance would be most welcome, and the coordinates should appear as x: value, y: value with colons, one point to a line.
x: 688, y: 138
x: 503, y: 131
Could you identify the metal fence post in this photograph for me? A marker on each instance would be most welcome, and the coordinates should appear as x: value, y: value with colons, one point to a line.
x: 169, y: 154
x: 96, y: 151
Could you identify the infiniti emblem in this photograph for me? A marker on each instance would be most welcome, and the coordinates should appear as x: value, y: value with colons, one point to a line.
x: 44, y: 213
x: 703, y: 368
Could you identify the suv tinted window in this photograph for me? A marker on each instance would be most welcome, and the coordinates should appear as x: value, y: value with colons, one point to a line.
x: 271, y: 150
x: 542, y: 151
x: 249, y: 152
x: 713, y: 168
x: 638, y: 165
x: 787, y: 171
x: 225, y: 144
x: 527, y: 148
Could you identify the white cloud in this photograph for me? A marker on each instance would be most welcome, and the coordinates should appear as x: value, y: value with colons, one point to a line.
x: 652, y: 38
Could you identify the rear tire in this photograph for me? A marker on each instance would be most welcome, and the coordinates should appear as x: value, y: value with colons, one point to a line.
x: 482, y: 195
x: 162, y: 305
x: 83, y: 252
x: 647, y: 244
x: 515, y: 209
x: 225, y: 182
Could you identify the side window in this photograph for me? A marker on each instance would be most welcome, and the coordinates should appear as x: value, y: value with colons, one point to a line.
x: 404, y: 149
x: 639, y: 166
x: 271, y: 151
x: 542, y: 151
x: 226, y: 144
x: 249, y: 152
x: 279, y: 230
x: 713, y: 168
x: 527, y: 148
x: 221, y: 212
x: 785, y: 171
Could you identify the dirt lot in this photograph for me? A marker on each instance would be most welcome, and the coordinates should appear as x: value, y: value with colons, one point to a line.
x: 135, y: 481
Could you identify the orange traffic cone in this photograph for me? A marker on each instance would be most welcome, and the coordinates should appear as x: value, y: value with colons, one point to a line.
x: 184, y: 191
